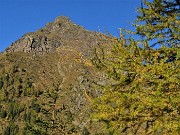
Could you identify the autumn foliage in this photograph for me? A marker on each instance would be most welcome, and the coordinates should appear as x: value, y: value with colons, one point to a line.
x: 142, y: 89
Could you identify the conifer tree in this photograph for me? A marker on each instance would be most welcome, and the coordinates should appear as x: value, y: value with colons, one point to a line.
x: 158, y: 21
x: 140, y: 94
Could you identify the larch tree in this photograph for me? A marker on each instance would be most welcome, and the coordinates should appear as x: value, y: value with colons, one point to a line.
x: 158, y: 21
x: 140, y: 94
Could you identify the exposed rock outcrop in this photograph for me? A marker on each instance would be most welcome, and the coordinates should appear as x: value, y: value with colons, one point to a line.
x: 55, y: 34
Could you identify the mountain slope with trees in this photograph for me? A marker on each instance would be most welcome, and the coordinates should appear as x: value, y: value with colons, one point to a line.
x: 63, y: 79
x: 41, y: 76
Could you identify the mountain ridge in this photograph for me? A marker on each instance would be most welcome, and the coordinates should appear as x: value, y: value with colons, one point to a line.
x: 55, y: 34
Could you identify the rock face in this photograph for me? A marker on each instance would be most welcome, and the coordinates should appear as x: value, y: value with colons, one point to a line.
x: 55, y: 34
x: 33, y: 43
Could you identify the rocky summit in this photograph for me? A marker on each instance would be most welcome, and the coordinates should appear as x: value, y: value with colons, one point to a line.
x: 61, y: 32
x: 44, y: 81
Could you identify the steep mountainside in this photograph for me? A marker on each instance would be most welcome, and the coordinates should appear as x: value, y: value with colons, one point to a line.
x: 44, y: 81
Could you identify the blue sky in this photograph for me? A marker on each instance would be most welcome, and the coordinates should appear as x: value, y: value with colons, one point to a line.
x: 18, y: 17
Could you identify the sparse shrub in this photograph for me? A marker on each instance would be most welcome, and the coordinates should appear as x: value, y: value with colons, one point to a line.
x: 85, y: 131
x: 1, y: 83
x: 14, y: 110
x: 35, y: 106
x: 11, y: 129
x: 3, y: 113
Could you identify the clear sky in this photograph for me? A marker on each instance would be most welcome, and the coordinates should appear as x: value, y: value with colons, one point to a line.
x: 18, y: 17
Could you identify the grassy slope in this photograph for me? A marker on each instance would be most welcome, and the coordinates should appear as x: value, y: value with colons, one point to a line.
x: 44, y: 94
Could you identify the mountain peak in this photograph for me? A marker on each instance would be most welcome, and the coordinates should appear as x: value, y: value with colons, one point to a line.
x: 61, y: 32
x: 60, y: 23
x: 62, y: 19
